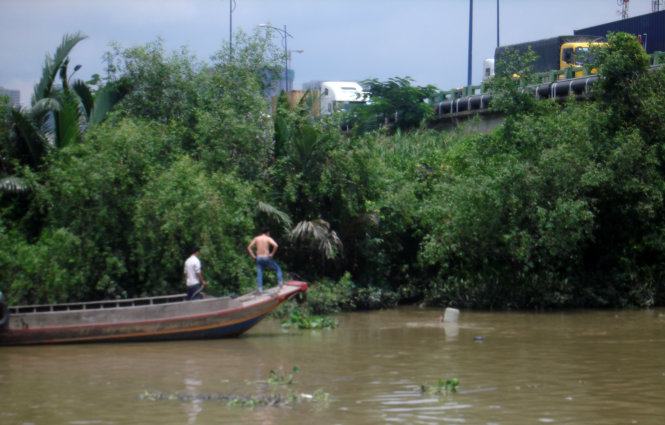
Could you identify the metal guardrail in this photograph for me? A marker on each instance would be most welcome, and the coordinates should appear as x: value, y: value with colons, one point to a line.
x: 575, y: 81
x: 656, y: 59
x: 96, y: 305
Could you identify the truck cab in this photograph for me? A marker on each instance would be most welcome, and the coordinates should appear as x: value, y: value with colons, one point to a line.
x: 576, y: 54
x: 340, y: 96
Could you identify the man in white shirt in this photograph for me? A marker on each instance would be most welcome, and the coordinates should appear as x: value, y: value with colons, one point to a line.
x: 193, y: 276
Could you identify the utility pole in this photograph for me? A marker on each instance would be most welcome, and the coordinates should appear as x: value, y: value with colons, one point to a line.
x: 286, y: 61
x: 232, y: 7
x: 497, y: 24
x: 655, y: 5
x: 623, y: 11
x: 469, y: 68
x: 285, y: 34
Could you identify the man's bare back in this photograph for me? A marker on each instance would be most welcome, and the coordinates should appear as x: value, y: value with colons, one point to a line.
x: 263, y: 243
x: 265, y: 247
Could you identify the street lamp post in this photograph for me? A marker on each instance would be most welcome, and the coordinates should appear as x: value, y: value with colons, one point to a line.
x: 497, y: 24
x: 285, y: 35
x: 232, y: 7
x: 469, y: 67
x: 291, y: 52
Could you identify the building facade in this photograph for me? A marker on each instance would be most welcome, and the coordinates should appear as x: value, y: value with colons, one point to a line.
x: 13, y: 95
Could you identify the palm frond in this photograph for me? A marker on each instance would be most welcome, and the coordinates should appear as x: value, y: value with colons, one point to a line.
x: 53, y: 64
x: 31, y: 144
x: 47, y: 104
x: 13, y: 184
x: 276, y: 214
x: 105, y: 99
x: 307, y: 145
x: 318, y: 233
x: 42, y: 115
x: 87, y: 101
x: 68, y: 121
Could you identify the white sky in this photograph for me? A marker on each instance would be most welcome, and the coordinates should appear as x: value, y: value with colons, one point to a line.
x: 341, y: 39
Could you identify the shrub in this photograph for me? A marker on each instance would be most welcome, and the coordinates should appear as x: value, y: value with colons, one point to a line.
x: 47, y: 271
x: 185, y: 206
x: 327, y: 296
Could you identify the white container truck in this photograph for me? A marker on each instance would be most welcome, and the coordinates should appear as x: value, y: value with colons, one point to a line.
x: 335, y: 96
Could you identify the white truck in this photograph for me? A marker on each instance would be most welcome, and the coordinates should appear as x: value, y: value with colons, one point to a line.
x: 337, y: 96
x: 488, y: 69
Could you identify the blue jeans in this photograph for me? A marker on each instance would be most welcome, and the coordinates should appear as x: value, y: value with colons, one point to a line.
x: 262, y: 263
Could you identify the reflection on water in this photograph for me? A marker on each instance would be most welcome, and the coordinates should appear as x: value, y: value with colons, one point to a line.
x: 192, y: 384
x: 514, y: 368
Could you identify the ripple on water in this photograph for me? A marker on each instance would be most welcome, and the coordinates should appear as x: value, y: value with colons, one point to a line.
x: 411, y: 406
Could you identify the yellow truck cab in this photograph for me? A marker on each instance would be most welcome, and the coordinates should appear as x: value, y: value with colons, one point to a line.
x: 556, y: 53
x: 576, y: 54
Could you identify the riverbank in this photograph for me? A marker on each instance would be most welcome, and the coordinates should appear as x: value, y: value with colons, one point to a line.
x: 559, y: 207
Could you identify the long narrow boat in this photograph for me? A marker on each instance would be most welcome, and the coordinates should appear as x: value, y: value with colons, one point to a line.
x: 142, y: 319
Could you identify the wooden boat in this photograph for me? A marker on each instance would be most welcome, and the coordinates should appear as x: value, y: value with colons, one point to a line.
x: 142, y: 319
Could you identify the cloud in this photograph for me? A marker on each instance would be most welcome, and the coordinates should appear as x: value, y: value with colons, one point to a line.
x: 150, y: 12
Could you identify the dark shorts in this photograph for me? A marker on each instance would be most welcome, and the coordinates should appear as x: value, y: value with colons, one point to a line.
x: 194, y: 292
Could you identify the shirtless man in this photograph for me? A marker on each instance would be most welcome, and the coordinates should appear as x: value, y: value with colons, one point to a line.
x: 266, y: 247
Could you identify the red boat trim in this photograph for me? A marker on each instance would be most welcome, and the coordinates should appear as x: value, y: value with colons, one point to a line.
x: 264, y: 307
x: 148, y: 334
x: 144, y: 322
x: 279, y: 298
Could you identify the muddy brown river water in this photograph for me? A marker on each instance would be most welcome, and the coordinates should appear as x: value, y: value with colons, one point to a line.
x: 514, y: 368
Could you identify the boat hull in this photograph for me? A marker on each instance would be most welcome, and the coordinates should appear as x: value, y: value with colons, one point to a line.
x: 200, y: 319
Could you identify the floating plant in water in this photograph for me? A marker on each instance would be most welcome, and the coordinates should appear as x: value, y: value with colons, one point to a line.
x: 273, y: 398
x: 229, y: 399
x: 442, y: 387
x: 280, y: 378
x: 305, y: 321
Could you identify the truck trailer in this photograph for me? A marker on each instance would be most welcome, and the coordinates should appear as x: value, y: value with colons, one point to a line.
x: 556, y: 53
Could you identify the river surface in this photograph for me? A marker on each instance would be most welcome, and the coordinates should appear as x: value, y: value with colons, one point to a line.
x: 513, y: 368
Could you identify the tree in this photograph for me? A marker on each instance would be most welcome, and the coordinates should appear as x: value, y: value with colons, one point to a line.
x: 92, y: 190
x: 513, y: 72
x: 58, y: 116
x: 186, y: 205
x: 622, y: 65
x: 396, y: 103
x: 234, y: 128
x: 160, y: 87
x: 8, y: 182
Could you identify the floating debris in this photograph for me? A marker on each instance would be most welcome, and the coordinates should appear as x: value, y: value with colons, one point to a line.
x: 441, y: 388
x: 272, y: 397
x: 234, y: 400
x: 231, y: 400
x: 302, y: 320
x: 280, y: 378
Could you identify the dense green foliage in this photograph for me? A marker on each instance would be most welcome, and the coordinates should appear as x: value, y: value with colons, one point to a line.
x: 395, y: 104
x: 560, y: 206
